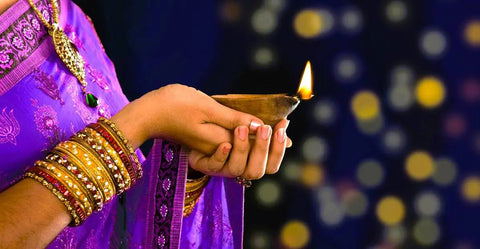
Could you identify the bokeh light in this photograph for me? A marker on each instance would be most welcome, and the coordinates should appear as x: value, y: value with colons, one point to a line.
x: 347, y: 68
x: 291, y: 170
x: 470, y: 91
x: 394, y: 140
x: 259, y: 240
x: 395, y: 234
x: 419, y: 165
x: 268, y: 192
x: 396, y: 11
x: 402, y: 75
x: 312, y: 175
x: 332, y: 213
x: 371, y: 126
x: 472, y: 33
x: 264, y: 21
x: 430, y: 92
x: 428, y: 204
x: 315, y: 149
x: 401, y: 97
x: 351, y: 20
x: 325, y: 112
x: 295, y: 234
x: 355, y: 203
x: 454, y: 125
x: 390, y: 210
x: 275, y: 5
x: 311, y: 23
x: 445, y: 171
x: 426, y: 232
x: 471, y: 189
x: 433, y: 43
x: 365, y: 105
x: 370, y: 173
x: 263, y: 56
x: 231, y: 11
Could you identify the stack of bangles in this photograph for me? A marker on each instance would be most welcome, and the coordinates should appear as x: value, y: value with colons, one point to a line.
x: 89, y: 169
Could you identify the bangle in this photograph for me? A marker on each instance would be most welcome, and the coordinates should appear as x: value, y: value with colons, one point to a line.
x: 60, y: 191
x: 116, y: 132
x: 193, y: 191
x: 109, y: 154
x: 89, y: 169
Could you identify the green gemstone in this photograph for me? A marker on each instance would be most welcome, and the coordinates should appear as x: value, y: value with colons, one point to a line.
x: 92, y: 101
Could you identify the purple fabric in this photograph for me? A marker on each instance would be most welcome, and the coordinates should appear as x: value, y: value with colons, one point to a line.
x: 41, y: 104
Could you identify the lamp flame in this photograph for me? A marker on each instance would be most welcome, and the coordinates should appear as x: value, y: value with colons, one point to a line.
x: 305, y: 89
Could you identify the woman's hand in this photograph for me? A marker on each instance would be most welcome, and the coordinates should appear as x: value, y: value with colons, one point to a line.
x: 250, y: 159
x: 184, y: 115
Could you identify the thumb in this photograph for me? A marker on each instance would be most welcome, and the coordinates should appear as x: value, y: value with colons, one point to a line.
x: 230, y: 119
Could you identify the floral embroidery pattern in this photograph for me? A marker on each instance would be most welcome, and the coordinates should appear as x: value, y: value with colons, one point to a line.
x: 46, y: 121
x: 165, y: 191
x: 47, y: 84
x: 9, y: 127
x: 19, y: 40
x: 97, y: 77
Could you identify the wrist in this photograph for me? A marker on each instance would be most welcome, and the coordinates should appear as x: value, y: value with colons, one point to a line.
x: 131, y: 123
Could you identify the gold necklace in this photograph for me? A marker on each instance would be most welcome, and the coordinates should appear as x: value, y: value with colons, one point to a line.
x: 66, y: 50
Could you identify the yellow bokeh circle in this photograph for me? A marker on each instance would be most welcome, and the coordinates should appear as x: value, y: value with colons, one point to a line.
x: 472, y: 33
x: 312, y: 175
x: 390, y: 210
x: 430, y: 92
x: 308, y: 23
x: 419, y: 165
x: 365, y: 105
x: 295, y: 234
x: 471, y: 189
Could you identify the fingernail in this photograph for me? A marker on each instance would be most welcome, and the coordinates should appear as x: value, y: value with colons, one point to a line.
x: 242, y: 133
x: 226, y: 149
x: 266, y: 132
x: 281, y: 136
x: 254, y: 125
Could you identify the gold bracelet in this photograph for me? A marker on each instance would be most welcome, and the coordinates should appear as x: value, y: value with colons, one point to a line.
x: 99, y: 156
x: 71, y: 151
x: 112, y: 127
x: 92, y: 163
x: 81, y: 176
x: 111, y: 154
x: 193, y: 191
x: 75, y: 188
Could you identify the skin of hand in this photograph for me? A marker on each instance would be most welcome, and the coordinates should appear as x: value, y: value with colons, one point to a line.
x: 249, y: 158
x: 182, y: 114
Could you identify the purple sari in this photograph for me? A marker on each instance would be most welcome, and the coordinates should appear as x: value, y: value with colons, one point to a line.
x: 41, y: 104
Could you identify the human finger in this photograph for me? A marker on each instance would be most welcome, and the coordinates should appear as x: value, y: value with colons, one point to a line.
x: 277, y: 150
x: 230, y: 118
x: 259, y: 154
x: 239, y: 155
x: 213, y: 164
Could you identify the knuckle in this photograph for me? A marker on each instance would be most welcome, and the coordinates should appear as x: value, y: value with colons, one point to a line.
x: 235, y: 171
x: 255, y: 175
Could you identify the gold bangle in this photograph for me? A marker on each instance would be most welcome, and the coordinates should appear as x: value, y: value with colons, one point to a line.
x: 92, y: 163
x: 193, y: 191
x: 71, y: 151
x: 78, y: 193
x: 111, y: 154
x: 98, y: 155
x: 112, y: 127
x: 80, y: 175
x: 76, y: 219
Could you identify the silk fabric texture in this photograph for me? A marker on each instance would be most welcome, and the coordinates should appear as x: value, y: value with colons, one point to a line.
x: 41, y: 104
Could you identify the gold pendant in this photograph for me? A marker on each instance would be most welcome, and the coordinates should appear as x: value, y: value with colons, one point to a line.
x: 68, y: 53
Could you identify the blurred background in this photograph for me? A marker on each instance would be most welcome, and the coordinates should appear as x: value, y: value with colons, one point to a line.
x: 386, y: 155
